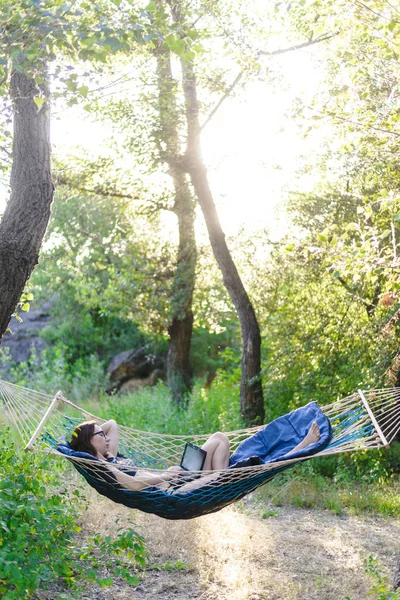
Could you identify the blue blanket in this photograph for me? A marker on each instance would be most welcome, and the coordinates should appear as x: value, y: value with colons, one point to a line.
x: 275, y: 440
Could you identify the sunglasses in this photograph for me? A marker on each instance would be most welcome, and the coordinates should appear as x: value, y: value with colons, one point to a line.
x: 100, y: 433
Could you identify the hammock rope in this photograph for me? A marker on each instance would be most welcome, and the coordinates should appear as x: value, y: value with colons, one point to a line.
x: 365, y: 420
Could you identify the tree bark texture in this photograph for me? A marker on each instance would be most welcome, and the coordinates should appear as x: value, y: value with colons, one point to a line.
x: 396, y: 576
x: 392, y: 379
x: 181, y: 327
x: 251, y: 395
x: 27, y: 213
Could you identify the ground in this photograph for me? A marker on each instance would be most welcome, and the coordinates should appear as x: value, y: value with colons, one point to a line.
x: 235, y: 554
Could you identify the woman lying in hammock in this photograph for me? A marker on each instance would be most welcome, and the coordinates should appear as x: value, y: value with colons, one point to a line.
x: 101, y: 441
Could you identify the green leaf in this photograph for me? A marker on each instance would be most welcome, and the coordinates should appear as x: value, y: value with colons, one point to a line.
x: 322, y: 237
x: 179, y: 47
x: 39, y: 101
x: 83, y: 90
x: 189, y: 56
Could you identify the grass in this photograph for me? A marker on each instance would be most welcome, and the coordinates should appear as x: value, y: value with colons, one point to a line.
x: 315, y: 491
x: 269, y: 512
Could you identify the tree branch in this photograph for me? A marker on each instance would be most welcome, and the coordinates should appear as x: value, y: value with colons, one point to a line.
x: 362, y: 125
x: 4, y: 79
x: 98, y: 191
x: 369, y: 306
x: 6, y: 151
x: 310, y: 42
x: 224, y: 97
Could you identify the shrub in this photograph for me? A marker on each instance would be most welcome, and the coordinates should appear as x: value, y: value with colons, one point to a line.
x: 52, y: 371
x: 381, y: 587
x: 85, y: 332
x: 36, y: 528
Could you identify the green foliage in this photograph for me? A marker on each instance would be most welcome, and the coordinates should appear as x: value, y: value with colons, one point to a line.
x: 207, y: 410
x: 37, y: 32
x: 38, y: 525
x: 318, y: 343
x: 361, y: 466
x: 83, y: 333
x: 23, y: 304
x: 269, y: 512
x: 304, y: 487
x: 51, y: 370
x: 381, y: 588
x: 36, y: 528
x: 169, y: 566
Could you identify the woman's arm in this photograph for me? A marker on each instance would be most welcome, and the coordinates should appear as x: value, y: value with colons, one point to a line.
x: 110, y: 428
x: 142, y: 479
x: 198, y: 483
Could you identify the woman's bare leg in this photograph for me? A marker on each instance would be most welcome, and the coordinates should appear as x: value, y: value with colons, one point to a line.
x: 217, y: 448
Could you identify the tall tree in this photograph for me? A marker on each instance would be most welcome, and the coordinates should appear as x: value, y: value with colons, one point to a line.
x: 28, y: 43
x: 251, y: 395
x: 25, y: 219
x: 181, y: 314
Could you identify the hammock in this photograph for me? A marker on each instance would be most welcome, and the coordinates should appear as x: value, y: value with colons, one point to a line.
x: 362, y: 421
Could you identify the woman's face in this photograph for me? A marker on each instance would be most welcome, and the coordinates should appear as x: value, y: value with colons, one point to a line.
x: 100, y: 441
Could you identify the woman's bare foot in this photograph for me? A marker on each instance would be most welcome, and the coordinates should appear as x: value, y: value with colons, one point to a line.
x: 312, y: 436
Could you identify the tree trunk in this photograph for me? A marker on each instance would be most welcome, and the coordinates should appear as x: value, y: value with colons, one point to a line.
x: 251, y: 395
x: 180, y: 330
x: 392, y: 378
x: 396, y: 577
x: 25, y: 219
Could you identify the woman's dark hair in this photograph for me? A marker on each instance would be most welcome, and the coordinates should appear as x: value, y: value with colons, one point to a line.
x: 81, y: 436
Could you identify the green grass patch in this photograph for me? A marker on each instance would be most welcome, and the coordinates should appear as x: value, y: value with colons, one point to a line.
x: 170, y: 566
x: 152, y: 409
x: 307, y: 490
x: 269, y: 512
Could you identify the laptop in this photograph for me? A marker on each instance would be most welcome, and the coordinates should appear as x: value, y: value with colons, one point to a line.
x: 193, y: 457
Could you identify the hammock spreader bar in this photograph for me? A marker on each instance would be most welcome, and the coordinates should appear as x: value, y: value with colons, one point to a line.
x: 364, y: 420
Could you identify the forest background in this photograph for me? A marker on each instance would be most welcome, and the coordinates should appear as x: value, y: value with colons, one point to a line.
x: 135, y: 252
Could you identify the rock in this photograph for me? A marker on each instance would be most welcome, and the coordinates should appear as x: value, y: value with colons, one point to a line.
x: 136, y: 364
x: 24, y: 335
x: 133, y: 385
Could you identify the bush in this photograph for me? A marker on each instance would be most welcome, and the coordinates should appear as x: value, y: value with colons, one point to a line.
x: 37, y: 529
x: 51, y: 371
x: 84, y: 332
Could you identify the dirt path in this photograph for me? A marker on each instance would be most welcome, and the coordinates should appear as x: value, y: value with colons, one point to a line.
x: 295, y: 555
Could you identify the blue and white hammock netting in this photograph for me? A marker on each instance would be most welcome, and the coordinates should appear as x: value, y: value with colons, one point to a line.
x: 364, y: 420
